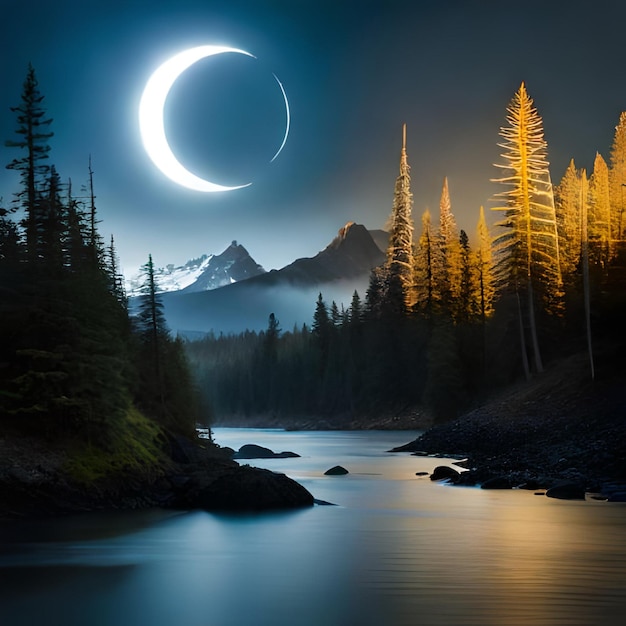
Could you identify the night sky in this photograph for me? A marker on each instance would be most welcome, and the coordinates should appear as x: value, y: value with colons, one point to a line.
x: 354, y: 71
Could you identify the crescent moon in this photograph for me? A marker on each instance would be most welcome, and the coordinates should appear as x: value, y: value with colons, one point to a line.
x: 152, y: 127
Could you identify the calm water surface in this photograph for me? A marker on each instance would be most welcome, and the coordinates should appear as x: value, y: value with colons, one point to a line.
x: 397, y: 549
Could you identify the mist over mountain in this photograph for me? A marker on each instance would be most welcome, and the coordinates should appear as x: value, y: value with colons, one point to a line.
x: 290, y: 293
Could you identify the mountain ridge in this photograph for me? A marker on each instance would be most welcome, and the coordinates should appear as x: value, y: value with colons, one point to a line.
x: 290, y: 292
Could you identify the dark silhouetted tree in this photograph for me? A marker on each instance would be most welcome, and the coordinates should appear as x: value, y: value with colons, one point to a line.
x: 32, y: 128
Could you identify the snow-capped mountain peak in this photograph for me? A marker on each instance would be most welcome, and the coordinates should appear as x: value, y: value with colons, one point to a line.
x: 204, y: 273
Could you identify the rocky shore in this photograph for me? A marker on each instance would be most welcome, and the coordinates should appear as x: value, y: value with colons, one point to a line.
x: 35, y: 482
x: 558, y: 429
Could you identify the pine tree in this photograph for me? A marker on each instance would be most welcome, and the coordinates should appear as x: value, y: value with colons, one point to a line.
x: 424, y: 269
x: 32, y: 129
x: 116, y: 278
x: 335, y: 315
x: 376, y: 294
x: 600, y: 248
x: 154, y: 335
x: 321, y: 332
x: 617, y: 181
x: 485, y: 290
x: 94, y: 240
x: 568, y: 212
x: 447, y: 266
x: 53, y: 226
x: 527, y: 250
x: 465, y: 304
x: 272, y: 334
x: 399, y: 266
x: 355, y: 313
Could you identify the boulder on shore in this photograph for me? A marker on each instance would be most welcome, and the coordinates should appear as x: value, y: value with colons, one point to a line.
x: 336, y: 471
x: 567, y: 491
x: 444, y: 472
x: 243, y: 489
x: 252, y: 451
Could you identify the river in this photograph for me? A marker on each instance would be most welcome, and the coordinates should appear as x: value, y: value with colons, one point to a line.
x: 396, y: 549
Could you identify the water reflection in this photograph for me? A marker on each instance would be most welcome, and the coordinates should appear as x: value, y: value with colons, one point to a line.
x: 397, y: 550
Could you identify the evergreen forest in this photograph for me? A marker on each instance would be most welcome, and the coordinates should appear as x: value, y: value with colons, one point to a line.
x: 74, y: 364
x: 445, y: 324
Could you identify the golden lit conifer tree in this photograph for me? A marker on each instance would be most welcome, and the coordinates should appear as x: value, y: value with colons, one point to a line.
x: 399, y: 266
x: 448, y: 264
x: 484, y: 283
x: 526, y: 248
x: 568, y: 212
x: 600, y: 249
x: 617, y: 181
x: 424, y: 278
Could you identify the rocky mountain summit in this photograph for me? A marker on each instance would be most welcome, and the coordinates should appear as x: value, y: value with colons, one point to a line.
x: 209, y: 271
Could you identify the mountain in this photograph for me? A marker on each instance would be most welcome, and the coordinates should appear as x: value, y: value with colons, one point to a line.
x: 233, y: 265
x: 206, y: 272
x: 290, y: 293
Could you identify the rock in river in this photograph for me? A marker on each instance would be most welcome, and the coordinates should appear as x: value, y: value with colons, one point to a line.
x: 567, y: 491
x: 243, y: 489
x: 336, y: 471
x: 252, y: 451
x: 444, y: 472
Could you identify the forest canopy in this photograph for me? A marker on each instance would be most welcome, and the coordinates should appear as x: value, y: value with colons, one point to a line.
x: 73, y: 360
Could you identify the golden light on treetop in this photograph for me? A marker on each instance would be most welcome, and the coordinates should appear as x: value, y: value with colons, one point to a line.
x: 527, y: 248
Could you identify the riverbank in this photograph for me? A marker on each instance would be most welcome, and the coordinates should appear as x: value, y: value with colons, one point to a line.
x: 414, y: 419
x: 560, y: 427
x: 43, y: 478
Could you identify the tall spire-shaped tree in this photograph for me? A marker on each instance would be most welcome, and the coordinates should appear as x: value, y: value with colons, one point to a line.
x: 424, y: 283
x: 617, y: 179
x: 399, y: 265
x: 484, y: 271
x: 600, y: 250
x: 449, y: 254
x: 154, y: 334
x: 568, y: 215
x: 33, y: 133
x: 527, y: 249
x: 94, y: 240
x: 465, y: 304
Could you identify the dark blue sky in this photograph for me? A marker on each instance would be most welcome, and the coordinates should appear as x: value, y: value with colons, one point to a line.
x: 354, y: 72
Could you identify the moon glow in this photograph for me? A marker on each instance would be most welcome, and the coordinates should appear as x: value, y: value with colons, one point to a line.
x: 151, y: 117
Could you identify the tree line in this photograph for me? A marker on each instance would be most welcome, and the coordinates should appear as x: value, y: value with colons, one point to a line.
x: 443, y: 323
x: 73, y: 359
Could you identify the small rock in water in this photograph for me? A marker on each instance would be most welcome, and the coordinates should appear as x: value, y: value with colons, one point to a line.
x: 421, y: 473
x: 252, y: 451
x: 567, y: 491
x: 336, y: 471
